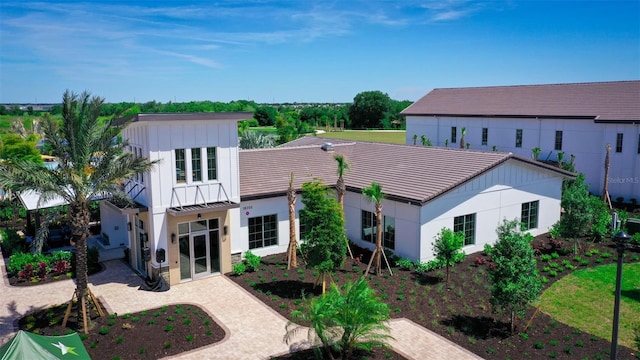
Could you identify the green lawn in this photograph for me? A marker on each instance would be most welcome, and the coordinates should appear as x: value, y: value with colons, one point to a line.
x: 385, y: 136
x: 585, y: 299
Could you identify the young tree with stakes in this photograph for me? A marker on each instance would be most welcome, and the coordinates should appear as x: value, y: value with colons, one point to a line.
x: 375, y: 195
x: 90, y: 163
x: 343, y: 165
x: 292, y: 258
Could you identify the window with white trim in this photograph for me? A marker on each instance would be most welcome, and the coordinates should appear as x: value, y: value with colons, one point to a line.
x: 369, y: 229
x: 196, y: 164
x: 181, y: 166
x: 212, y: 168
x: 263, y: 231
x: 529, y: 215
x: 467, y: 225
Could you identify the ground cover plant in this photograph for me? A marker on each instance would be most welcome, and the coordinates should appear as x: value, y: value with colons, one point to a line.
x: 579, y: 298
x: 462, y: 311
x: 149, y: 334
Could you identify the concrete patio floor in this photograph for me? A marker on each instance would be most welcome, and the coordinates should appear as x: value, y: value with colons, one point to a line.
x: 254, y: 331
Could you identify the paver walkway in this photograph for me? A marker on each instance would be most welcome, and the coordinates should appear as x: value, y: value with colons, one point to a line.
x: 254, y: 331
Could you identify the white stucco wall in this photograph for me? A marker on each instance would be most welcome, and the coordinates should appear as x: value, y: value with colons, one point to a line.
x: 270, y: 206
x: 583, y: 138
x: 114, y: 225
x: 493, y: 197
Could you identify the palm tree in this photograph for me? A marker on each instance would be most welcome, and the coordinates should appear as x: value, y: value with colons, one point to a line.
x: 343, y: 165
x: 91, y: 164
x: 463, y: 133
x: 375, y: 195
x: 415, y: 137
x: 344, y: 321
x: 292, y: 258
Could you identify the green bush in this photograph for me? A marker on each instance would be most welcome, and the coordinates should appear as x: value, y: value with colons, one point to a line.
x: 18, y: 261
x: 404, y: 264
x: 253, y: 261
x: 12, y: 243
x: 239, y: 268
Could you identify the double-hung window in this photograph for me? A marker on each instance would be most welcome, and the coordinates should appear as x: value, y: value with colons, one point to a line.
x: 212, y: 170
x: 181, y: 166
x: 529, y: 217
x: 467, y: 225
x: 196, y: 164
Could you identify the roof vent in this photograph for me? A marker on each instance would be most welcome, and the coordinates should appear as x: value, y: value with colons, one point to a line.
x: 327, y: 147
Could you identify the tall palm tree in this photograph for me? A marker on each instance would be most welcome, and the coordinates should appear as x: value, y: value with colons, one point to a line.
x: 343, y: 165
x: 292, y: 258
x: 375, y: 195
x: 90, y: 164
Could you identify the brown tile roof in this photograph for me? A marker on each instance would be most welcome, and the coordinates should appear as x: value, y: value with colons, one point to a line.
x: 406, y: 173
x: 206, y: 116
x: 604, y: 101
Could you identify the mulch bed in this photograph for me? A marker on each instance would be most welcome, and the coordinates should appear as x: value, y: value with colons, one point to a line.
x: 460, y: 312
x: 150, y: 334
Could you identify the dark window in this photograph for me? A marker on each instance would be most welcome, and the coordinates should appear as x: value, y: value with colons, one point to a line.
x: 558, y: 145
x: 619, y: 142
x: 263, y: 231
x: 196, y: 164
x: 369, y: 223
x: 454, y: 134
x: 466, y: 224
x: 518, y: 138
x: 529, y: 217
x: 485, y: 136
x: 181, y: 166
x: 638, y: 144
x: 212, y: 172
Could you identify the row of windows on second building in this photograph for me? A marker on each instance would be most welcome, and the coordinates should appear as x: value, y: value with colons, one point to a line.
x: 519, y: 134
x: 263, y: 230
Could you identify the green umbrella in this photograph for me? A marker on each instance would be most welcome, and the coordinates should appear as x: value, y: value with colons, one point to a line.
x: 26, y: 345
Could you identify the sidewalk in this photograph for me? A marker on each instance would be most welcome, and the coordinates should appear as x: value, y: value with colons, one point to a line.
x: 237, y: 311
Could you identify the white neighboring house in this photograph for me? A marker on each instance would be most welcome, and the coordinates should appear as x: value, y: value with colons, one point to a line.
x: 426, y: 189
x: 188, y: 206
x: 579, y: 119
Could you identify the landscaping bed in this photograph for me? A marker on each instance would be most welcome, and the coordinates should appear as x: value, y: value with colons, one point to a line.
x: 149, y: 334
x: 461, y: 311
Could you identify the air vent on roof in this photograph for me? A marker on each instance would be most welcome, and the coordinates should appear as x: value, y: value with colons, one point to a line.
x: 327, y: 146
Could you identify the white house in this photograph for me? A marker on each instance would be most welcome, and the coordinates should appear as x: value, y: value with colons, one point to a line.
x: 426, y: 189
x: 207, y: 203
x: 188, y: 206
x: 579, y: 119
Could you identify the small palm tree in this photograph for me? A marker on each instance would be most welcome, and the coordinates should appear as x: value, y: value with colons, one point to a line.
x: 535, y: 152
x: 344, y: 321
x: 343, y: 165
x: 375, y: 195
x: 293, y: 245
x: 463, y: 133
x: 415, y: 137
x: 81, y: 174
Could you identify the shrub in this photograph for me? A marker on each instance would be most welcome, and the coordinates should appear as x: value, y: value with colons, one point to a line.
x: 60, y: 267
x: 253, y: 261
x: 404, y: 264
x: 538, y: 345
x: 480, y: 261
x: 12, y: 243
x: 43, y: 270
x: 26, y: 272
x: 239, y: 268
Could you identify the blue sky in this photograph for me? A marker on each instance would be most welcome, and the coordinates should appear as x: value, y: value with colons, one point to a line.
x: 307, y: 50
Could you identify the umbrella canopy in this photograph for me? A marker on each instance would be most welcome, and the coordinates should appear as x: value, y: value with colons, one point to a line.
x: 26, y: 345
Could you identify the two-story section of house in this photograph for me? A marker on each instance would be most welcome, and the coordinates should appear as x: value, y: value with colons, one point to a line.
x: 184, y: 210
x: 573, y: 119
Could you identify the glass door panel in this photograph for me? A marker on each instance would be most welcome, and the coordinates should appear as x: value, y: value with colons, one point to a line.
x: 200, y: 254
x: 185, y: 258
x: 214, y: 250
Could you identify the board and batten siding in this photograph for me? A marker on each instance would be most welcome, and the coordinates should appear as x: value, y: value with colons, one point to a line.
x: 493, y: 196
x: 160, y: 139
x: 581, y: 137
